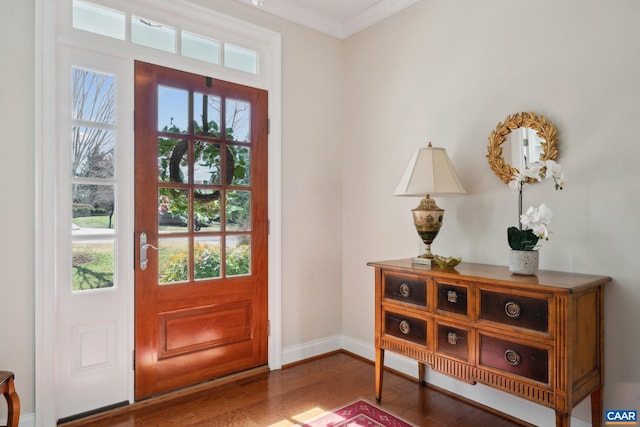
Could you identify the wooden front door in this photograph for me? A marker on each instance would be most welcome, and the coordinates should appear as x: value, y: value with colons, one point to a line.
x: 201, y: 228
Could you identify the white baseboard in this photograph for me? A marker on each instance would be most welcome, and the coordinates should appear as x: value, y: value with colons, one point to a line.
x: 311, y: 349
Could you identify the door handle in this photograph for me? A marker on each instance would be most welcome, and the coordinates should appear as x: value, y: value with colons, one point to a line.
x: 143, y: 250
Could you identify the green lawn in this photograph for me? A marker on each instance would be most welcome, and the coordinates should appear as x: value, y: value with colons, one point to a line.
x: 94, y: 221
x: 93, y: 266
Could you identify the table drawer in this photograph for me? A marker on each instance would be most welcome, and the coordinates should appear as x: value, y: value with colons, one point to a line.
x: 404, y: 288
x: 452, y: 341
x: 453, y: 298
x: 405, y: 327
x: 520, y: 359
x: 516, y: 310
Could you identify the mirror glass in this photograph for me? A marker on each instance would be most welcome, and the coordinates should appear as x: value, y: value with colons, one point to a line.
x: 522, y: 147
x: 522, y: 139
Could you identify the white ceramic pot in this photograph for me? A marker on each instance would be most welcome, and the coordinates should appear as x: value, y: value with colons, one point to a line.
x: 523, y: 262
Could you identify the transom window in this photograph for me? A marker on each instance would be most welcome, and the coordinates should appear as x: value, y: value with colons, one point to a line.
x: 141, y: 30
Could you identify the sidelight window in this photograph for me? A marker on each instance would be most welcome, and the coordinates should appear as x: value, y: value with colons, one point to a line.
x: 92, y: 179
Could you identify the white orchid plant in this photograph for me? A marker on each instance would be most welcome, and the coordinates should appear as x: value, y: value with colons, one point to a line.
x: 534, y: 222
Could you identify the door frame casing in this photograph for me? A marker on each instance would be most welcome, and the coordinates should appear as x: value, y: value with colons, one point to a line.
x: 48, y: 36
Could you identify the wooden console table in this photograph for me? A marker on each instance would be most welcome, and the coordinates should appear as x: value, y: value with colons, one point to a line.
x: 537, y: 337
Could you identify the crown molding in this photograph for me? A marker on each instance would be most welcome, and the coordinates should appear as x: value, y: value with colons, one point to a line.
x: 290, y: 10
x: 375, y: 13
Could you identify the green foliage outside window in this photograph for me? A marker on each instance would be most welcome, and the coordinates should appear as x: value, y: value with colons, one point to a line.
x: 207, y: 263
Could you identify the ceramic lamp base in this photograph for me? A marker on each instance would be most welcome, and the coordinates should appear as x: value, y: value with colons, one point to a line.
x: 427, y: 218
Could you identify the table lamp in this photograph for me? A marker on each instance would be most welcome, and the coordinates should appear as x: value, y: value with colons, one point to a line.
x: 429, y: 173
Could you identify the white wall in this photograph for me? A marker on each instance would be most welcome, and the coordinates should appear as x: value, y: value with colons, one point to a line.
x: 448, y: 72
x: 17, y: 195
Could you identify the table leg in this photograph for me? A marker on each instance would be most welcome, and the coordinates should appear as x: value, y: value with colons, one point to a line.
x: 562, y: 419
x: 422, y: 369
x: 379, y: 367
x: 596, y: 408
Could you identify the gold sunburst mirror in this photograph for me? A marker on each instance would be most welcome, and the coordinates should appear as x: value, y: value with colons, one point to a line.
x: 521, y: 139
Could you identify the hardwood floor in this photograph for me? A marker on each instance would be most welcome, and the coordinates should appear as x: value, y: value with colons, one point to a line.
x: 275, y: 398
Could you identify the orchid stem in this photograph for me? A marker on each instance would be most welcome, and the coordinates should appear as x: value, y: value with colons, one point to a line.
x: 520, y: 206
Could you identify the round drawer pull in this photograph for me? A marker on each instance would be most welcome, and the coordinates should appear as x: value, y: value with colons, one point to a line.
x: 512, y: 357
x: 405, y: 290
x: 452, y: 297
x: 452, y: 338
x: 512, y: 309
x: 404, y: 327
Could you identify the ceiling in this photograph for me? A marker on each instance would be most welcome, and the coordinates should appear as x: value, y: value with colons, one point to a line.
x: 338, y: 18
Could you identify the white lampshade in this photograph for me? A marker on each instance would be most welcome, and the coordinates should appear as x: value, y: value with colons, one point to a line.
x: 429, y: 172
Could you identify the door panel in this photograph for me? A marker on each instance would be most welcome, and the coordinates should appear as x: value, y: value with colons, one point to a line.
x: 201, y: 200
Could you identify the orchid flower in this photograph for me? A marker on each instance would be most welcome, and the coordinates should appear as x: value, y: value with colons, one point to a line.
x: 533, y: 224
x: 554, y: 170
x: 536, y: 220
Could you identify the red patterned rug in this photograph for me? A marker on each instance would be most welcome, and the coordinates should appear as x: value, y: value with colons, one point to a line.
x: 357, y: 414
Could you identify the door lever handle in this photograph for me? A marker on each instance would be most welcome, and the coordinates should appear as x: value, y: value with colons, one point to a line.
x: 149, y: 245
x: 143, y: 251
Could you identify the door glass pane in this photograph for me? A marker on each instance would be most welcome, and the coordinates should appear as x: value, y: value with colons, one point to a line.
x: 93, y: 96
x: 173, y: 210
x: 200, y: 47
x: 153, y: 34
x: 173, y: 160
x: 173, y: 109
x: 93, y: 208
x: 206, y: 207
x: 196, y: 206
x: 238, y: 210
x: 238, y: 252
x: 238, y: 120
x: 92, y: 265
x: 173, y: 260
x: 206, y: 259
x: 207, y: 167
x: 92, y: 153
x: 241, y: 164
x: 206, y: 115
